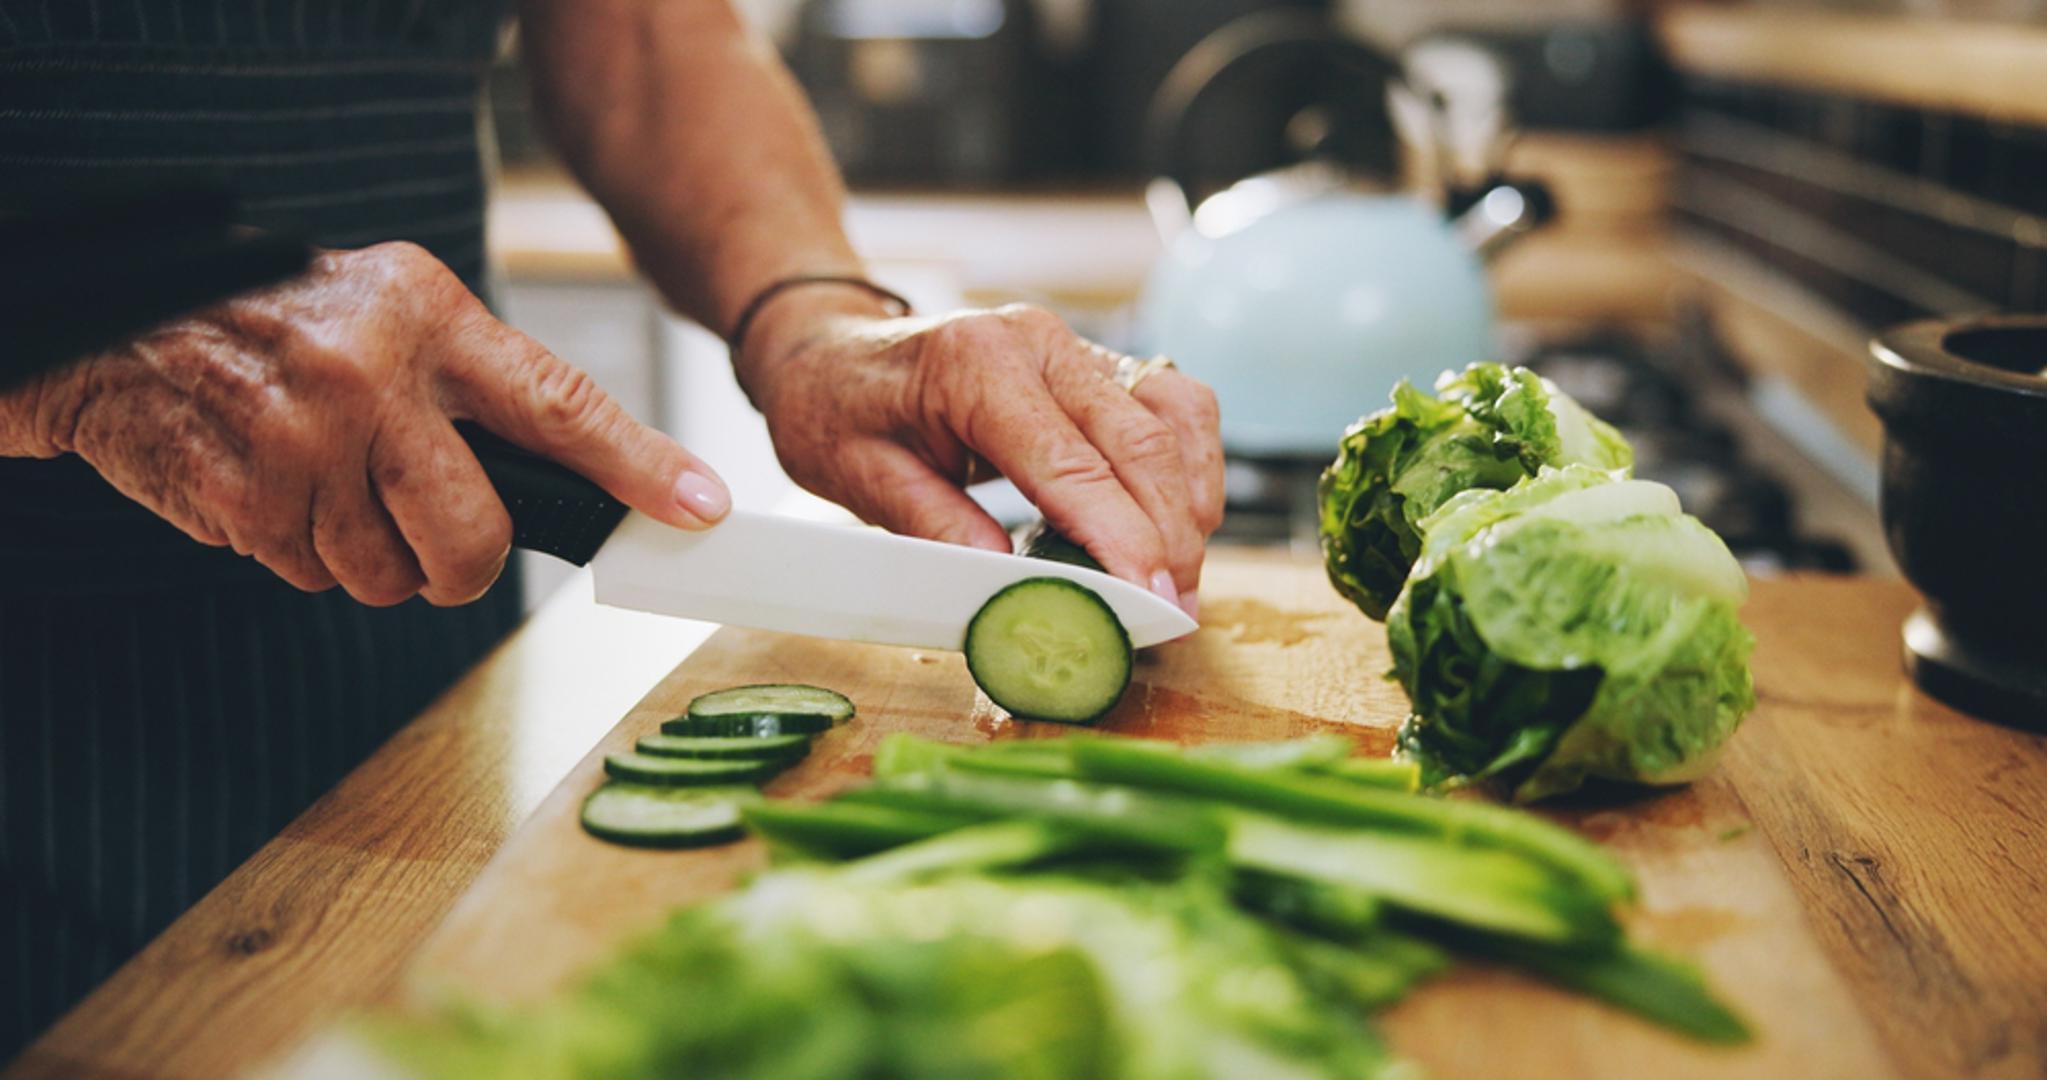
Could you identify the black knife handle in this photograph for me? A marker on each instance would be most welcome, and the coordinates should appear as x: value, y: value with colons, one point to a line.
x: 554, y: 509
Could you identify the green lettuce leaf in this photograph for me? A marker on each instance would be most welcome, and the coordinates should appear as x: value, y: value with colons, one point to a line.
x: 1574, y: 626
x: 1487, y: 428
x: 807, y: 973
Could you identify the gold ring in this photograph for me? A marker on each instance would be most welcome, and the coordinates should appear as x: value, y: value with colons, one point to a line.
x: 1130, y: 371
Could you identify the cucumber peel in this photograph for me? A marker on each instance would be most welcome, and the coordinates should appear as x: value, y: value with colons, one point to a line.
x: 769, y: 747
x: 746, y: 726
x: 686, y: 772
x: 773, y: 699
x: 648, y: 815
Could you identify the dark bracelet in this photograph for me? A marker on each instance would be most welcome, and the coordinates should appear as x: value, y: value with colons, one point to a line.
x: 776, y: 288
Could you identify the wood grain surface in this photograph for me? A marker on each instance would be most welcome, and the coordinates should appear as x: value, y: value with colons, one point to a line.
x: 1864, y: 875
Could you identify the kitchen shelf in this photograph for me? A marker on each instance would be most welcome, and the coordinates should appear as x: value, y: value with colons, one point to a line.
x: 1981, y: 68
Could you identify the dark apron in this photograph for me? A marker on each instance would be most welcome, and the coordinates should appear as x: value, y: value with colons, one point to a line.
x: 166, y: 707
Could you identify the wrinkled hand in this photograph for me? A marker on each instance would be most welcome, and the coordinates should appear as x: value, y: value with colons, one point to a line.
x: 309, y: 425
x: 887, y: 417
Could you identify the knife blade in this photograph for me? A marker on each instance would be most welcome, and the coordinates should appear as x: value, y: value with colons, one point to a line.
x: 774, y: 573
x: 838, y: 581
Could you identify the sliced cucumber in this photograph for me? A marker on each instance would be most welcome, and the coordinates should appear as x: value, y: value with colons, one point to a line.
x: 1048, y: 649
x: 645, y: 815
x: 688, y: 772
x: 767, y: 726
x: 770, y: 747
x: 773, y: 699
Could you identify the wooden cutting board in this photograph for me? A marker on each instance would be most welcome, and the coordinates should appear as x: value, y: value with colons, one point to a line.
x: 1863, y: 937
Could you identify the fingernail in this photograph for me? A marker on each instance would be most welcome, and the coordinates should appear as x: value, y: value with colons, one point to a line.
x: 1191, y: 604
x: 1162, y: 584
x: 703, y: 497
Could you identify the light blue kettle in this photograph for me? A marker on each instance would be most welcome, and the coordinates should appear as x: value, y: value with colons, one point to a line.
x: 1302, y: 295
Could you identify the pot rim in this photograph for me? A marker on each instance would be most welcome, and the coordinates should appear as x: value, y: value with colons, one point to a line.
x: 1919, y: 349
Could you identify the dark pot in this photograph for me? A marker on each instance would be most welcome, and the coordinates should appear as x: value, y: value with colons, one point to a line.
x: 1964, y: 408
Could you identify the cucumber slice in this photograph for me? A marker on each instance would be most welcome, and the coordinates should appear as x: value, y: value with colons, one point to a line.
x: 688, y: 772
x: 766, y: 726
x: 769, y: 747
x: 773, y: 699
x: 644, y: 815
x: 1048, y: 649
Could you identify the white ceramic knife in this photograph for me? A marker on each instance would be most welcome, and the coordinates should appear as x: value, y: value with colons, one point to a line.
x: 777, y: 573
x: 838, y: 581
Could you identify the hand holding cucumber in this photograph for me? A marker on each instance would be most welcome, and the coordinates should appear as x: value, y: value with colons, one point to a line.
x: 889, y: 417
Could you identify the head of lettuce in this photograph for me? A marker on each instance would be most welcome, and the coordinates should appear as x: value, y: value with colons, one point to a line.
x: 1487, y: 427
x: 1576, y: 625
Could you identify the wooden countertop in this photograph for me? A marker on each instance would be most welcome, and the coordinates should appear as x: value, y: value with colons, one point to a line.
x: 1604, y: 260
x: 1883, y: 907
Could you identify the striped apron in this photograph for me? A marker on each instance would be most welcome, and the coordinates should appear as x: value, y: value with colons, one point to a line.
x: 166, y: 707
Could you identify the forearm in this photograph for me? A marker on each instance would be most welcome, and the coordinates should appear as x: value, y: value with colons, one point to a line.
x: 694, y: 137
x: 37, y: 416
x: 699, y: 144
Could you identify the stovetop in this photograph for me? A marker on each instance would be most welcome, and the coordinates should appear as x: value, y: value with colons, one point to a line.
x: 1686, y: 417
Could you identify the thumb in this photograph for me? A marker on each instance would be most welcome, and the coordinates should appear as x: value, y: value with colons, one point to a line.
x: 516, y: 388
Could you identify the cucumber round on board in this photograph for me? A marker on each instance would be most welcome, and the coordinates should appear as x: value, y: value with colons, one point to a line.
x: 646, y: 815
x: 689, y: 772
x: 1048, y: 649
x: 745, y: 727
x: 769, y: 747
x: 772, y: 699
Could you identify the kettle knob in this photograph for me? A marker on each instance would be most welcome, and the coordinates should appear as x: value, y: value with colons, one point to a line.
x: 1489, y: 217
